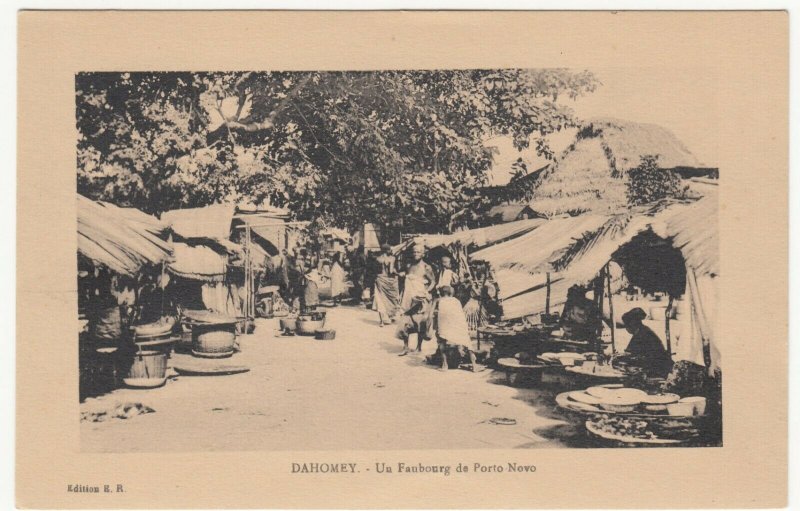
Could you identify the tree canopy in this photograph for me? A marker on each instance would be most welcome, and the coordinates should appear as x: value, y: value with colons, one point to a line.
x: 402, y: 149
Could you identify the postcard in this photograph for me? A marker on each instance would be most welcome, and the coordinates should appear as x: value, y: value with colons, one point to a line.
x: 276, y: 259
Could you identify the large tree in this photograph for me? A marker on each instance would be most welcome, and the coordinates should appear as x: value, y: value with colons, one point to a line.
x: 399, y: 148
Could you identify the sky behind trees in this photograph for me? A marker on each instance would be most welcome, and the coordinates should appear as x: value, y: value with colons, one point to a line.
x: 681, y: 100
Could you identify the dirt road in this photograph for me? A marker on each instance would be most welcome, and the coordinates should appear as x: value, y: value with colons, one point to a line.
x: 350, y: 393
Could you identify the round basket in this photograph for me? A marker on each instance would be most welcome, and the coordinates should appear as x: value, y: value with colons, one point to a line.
x: 213, y: 341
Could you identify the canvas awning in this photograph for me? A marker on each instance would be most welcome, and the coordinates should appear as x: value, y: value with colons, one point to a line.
x: 121, y: 239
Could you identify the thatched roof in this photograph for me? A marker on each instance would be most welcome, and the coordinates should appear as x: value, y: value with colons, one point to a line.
x: 507, y: 212
x: 590, y: 175
x: 210, y: 222
x: 198, y: 263
x: 695, y: 231
x: 121, y: 239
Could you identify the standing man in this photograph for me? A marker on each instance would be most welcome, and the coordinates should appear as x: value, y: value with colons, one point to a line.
x: 447, y: 277
x: 416, y: 302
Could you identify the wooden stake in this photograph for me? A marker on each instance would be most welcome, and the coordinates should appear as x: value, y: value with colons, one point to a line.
x: 611, y: 312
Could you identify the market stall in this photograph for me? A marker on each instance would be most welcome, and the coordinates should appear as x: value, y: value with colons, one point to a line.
x: 122, y: 255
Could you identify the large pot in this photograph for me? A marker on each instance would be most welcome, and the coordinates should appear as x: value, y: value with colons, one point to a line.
x: 148, y: 370
x: 309, y: 326
x: 288, y: 324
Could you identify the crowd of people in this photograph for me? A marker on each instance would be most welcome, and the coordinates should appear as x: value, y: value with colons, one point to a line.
x: 424, y: 297
x: 430, y: 298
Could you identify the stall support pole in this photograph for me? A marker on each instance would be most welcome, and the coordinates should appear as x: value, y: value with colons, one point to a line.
x: 480, y: 313
x: 547, y: 298
x: 599, y: 285
x: 611, y: 312
x: 247, y: 286
x: 668, y: 315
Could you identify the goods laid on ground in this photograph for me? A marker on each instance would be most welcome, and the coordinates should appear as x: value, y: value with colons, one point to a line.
x: 632, y: 431
x: 515, y: 370
x: 308, y: 324
x: 245, y: 325
x: 289, y: 324
x: 624, y: 400
x: 213, y: 369
x: 325, y: 334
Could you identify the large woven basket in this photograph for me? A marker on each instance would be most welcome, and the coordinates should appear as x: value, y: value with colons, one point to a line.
x: 213, y: 341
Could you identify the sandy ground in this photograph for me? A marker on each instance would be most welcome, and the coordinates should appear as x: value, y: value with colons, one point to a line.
x: 350, y: 393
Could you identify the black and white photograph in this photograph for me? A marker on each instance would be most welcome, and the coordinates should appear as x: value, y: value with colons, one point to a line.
x: 397, y: 259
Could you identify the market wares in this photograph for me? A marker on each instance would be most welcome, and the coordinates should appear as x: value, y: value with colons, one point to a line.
x: 161, y: 328
x: 288, y: 324
x: 604, y: 393
x: 549, y: 356
x: 657, y: 403
x: 215, y: 369
x: 681, y: 409
x: 698, y: 404
x: 568, y: 359
x: 245, y: 325
x: 626, y: 432
x: 582, y: 397
x: 213, y: 341
x: 660, y: 399
x: 325, y: 335
x: 148, y: 370
x: 619, y: 404
x: 309, y: 326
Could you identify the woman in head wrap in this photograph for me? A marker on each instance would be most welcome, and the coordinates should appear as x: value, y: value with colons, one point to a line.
x: 387, y: 296
x: 645, y: 348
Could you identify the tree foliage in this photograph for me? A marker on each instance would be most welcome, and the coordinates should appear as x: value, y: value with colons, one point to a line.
x: 647, y: 183
x: 399, y: 148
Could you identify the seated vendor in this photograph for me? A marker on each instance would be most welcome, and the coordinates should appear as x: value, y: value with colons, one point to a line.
x: 580, y: 319
x: 645, y: 349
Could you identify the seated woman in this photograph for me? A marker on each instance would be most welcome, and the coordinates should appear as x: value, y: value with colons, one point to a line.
x: 645, y: 349
x: 580, y: 319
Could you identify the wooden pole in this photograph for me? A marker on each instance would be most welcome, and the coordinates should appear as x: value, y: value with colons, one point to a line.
x: 611, y: 312
x: 668, y: 315
x: 247, y: 286
x: 480, y: 311
x: 547, y: 299
x: 599, y: 287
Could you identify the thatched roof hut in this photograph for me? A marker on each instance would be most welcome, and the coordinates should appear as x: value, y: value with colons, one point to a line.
x: 590, y: 175
x: 121, y: 239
